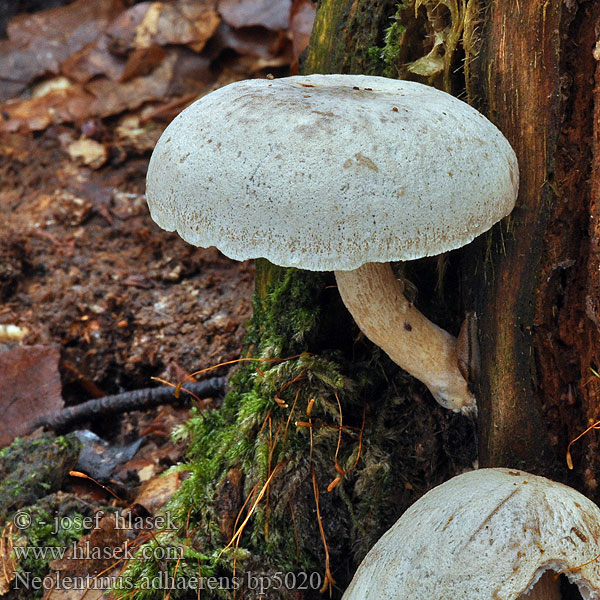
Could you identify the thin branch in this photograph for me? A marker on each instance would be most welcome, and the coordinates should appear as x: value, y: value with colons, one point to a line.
x: 127, y: 401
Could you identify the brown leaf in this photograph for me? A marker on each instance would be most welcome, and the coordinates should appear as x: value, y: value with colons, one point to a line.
x: 57, y: 106
x: 253, y: 41
x: 158, y: 23
x: 155, y: 492
x: 272, y: 14
x: 131, y: 45
x: 302, y: 18
x: 92, y: 60
x: 38, y: 43
x: 142, y: 61
x: 181, y: 72
x: 30, y: 388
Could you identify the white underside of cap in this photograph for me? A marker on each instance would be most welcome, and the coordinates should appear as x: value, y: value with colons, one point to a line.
x: 312, y: 173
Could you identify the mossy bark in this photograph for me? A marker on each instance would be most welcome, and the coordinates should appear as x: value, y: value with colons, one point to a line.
x: 343, y: 34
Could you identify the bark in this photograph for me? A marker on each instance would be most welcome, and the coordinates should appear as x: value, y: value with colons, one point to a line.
x: 343, y: 33
x: 532, y: 74
x: 534, y: 281
x: 523, y: 99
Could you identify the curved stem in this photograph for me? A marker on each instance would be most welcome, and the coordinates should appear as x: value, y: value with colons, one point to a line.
x: 376, y: 300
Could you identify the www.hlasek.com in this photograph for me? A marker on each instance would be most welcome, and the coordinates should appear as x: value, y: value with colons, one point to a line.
x: 87, y: 551
x: 261, y: 583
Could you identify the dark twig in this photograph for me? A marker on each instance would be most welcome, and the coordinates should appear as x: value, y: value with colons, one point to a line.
x: 134, y: 400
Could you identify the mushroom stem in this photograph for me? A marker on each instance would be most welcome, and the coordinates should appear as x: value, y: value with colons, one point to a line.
x: 375, y: 298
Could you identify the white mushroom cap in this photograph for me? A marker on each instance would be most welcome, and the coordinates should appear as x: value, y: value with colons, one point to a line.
x: 487, y: 534
x: 328, y: 172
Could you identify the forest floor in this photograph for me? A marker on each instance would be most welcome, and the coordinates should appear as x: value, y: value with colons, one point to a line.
x: 95, y: 299
x: 84, y: 267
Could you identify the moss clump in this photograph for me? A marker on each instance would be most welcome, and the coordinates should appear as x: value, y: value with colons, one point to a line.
x: 31, y: 469
x: 57, y: 522
x: 386, y: 57
x: 275, y: 437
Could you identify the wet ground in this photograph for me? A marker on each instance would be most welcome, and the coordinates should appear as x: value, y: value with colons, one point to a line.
x: 83, y: 266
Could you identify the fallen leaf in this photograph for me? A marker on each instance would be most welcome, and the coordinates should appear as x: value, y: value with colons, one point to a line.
x: 57, y: 106
x: 255, y: 41
x: 272, y: 14
x: 92, y: 60
x: 30, y: 388
x: 158, y: 23
x: 181, y: 72
x: 89, y: 152
x: 142, y: 61
x: 38, y: 43
x: 155, y: 493
x: 168, y: 111
x: 132, y: 43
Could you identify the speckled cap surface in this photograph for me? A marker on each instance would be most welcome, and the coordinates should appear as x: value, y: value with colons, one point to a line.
x: 328, y: 172
x: 488, y: 534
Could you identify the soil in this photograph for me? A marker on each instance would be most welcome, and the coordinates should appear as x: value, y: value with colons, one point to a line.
x: 83, y: 266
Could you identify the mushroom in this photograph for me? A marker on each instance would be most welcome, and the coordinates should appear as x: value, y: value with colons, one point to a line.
x: 345, y: 173
x: 491, y: 533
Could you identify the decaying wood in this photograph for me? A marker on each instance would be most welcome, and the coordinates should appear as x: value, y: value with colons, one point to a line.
x: 537, y: 341
x: 521, y: 97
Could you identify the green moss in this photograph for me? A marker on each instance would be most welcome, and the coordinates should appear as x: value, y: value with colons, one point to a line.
x: 42, y: 541
x: 31, y: 469
x: 386, y: 57
x: 253, y: 446
x: 423, y: 44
